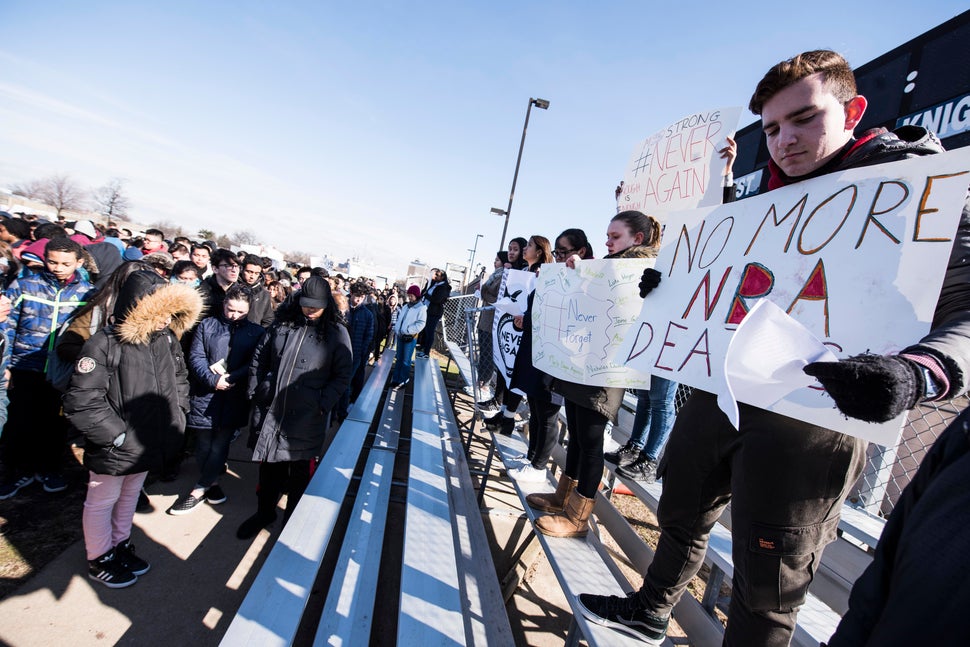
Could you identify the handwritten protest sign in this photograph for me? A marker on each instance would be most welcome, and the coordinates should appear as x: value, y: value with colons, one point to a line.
x: 512, y: 295
x: 857, y: 257
x: 678, y: 167
x: 580, y: 316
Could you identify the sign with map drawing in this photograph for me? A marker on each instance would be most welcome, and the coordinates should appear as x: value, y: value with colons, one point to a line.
x: 580, y: 317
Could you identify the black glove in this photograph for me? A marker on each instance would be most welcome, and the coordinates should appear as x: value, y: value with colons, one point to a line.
x: 649, y: 280
x: 874, y: 388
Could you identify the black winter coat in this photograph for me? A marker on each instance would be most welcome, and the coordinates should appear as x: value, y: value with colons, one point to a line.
x: 130, y: 390
x: 216, y: 339
x: 296, y: 378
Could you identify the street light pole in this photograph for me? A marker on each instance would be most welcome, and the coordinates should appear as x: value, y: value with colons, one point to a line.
x: 538, y: 103
x: 471, y: 260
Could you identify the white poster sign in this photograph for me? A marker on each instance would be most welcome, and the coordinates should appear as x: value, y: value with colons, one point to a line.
x: 679, y: 167
x: 512, y: 296
x: 856, y: 257
x: 580, y: 316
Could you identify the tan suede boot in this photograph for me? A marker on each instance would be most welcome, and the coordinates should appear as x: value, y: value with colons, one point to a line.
x: 553, y: 501
x: 573, y: 521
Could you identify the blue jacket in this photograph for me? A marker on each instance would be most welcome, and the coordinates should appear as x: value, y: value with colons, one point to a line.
x: 40, y: 305
x: 360, y: 324
x: 218, y: 339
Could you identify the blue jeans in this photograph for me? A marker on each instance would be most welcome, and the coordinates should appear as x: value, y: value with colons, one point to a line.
x: 403, y: 358
x: 211, y: 450
x: 655, y: 411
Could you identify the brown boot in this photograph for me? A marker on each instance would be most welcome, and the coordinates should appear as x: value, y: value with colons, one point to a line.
x: 553, y: 501
x: 573, y: 521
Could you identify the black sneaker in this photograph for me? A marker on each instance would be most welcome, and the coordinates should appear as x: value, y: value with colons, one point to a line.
x: 125, y: 555
x: 110, y: 571
x: 144, y: 505
x: 186, y: 504
x: 494, y: 420
x: 13, y: 485
x: 623, y: 456
x: 52, y: 482
x: 626, y: 615
x: 507, y: 426
x: 251, y: 526
x: 642, y: 469
x: 214, y: 495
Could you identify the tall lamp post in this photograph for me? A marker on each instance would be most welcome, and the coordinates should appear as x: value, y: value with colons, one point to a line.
x: 538, y: 103
x: 471, y: 259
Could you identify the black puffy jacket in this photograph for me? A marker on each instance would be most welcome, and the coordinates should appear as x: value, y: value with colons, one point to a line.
x: 130, y: 391
x: 297, y: 376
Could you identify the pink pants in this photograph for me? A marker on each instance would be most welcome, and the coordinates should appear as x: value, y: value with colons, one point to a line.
x: 109, y: 511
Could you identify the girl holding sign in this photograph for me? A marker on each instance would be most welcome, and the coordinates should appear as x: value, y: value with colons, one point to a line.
x: 630, y: 234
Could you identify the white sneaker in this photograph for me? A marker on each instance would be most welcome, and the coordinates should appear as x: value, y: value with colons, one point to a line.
x: 518, y: 461
x: 528, y: 474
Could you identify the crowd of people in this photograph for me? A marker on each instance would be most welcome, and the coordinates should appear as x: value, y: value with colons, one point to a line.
x: 145, y: 351
x: 165, y: 336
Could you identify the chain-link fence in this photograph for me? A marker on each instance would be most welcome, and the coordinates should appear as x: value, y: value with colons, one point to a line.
x: 888, y: 469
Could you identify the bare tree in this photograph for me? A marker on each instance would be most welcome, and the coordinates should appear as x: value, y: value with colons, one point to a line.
x: 170, y: 229
x: 206, y: 234
x: 245, y: 237
x: 224, y: 241
x: 29, y: 189
x: 302, y: 258
x: 111, y: 200
x: 62, y: 192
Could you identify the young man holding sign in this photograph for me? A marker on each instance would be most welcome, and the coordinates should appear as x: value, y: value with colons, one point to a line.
x: 787, y: 479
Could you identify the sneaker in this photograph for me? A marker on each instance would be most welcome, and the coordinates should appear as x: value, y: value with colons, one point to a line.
x: 214, y: 495
x: 11, y: 487
x: 186, y: 504
x: 528, y: 474
x: 623, y: 456
x: 506, y: 426
x: 518, y: 461
x: 251, y: 526
x: 642, y: 469
x: 626, y: 615
x: 143, y: 505
x: 110, y: 571
x: 52, y: 482
x: 494, y: 421
x: 489, y: 405
x: 125, y: 555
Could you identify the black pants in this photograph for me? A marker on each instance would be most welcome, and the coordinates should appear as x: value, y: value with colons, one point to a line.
x: 35, y: 435
x: 786, y: 481
x: 426, y: 336
x: 293, y: 476
x: 543, y: 416
x: 508, y: 398
x: 914, y: 591
x: 584, y: 455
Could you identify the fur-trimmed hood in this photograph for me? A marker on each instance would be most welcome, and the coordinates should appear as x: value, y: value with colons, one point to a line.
x: 180, y: 301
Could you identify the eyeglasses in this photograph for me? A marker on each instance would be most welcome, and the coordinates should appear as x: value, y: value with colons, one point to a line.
x: 560, y: 253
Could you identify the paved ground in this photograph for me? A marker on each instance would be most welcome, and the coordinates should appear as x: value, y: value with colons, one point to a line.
x: 200, y: 574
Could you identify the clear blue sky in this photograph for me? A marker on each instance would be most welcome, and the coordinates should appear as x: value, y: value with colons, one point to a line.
x: 388, y: 129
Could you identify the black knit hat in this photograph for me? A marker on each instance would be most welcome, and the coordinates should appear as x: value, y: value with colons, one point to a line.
x: 315, y: 293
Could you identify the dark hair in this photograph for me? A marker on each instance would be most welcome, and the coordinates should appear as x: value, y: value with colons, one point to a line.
x: 197, y: 246
x: 221, y: 256
x: 321, y: 272
x: 578, y: 241
x: 112, y: 232
x: 266, y: 262
x: 177, y: 247
x: 49, y: 230
x: 543, y: 247
x: 520, y: 263
x: 836, y: 75
x: 304, y: 269
x: 503, y: 256
x: 239, y: 293
x: 253, y: 260
x: 640, y: 223
x: 62, y: 244
x: 17, y: 227
x: 155, y: 232
x: 104, y: 296
x: 181, y: 266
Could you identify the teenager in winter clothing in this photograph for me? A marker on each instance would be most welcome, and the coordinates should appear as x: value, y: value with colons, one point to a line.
x: 630, y: 234
x: 786, y: 479
x: 301, y: 367
x: 219, y: 360
x: 35, y: 435
x: 410, y: 322
x: 434, y: 295
x: 129, y: 395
